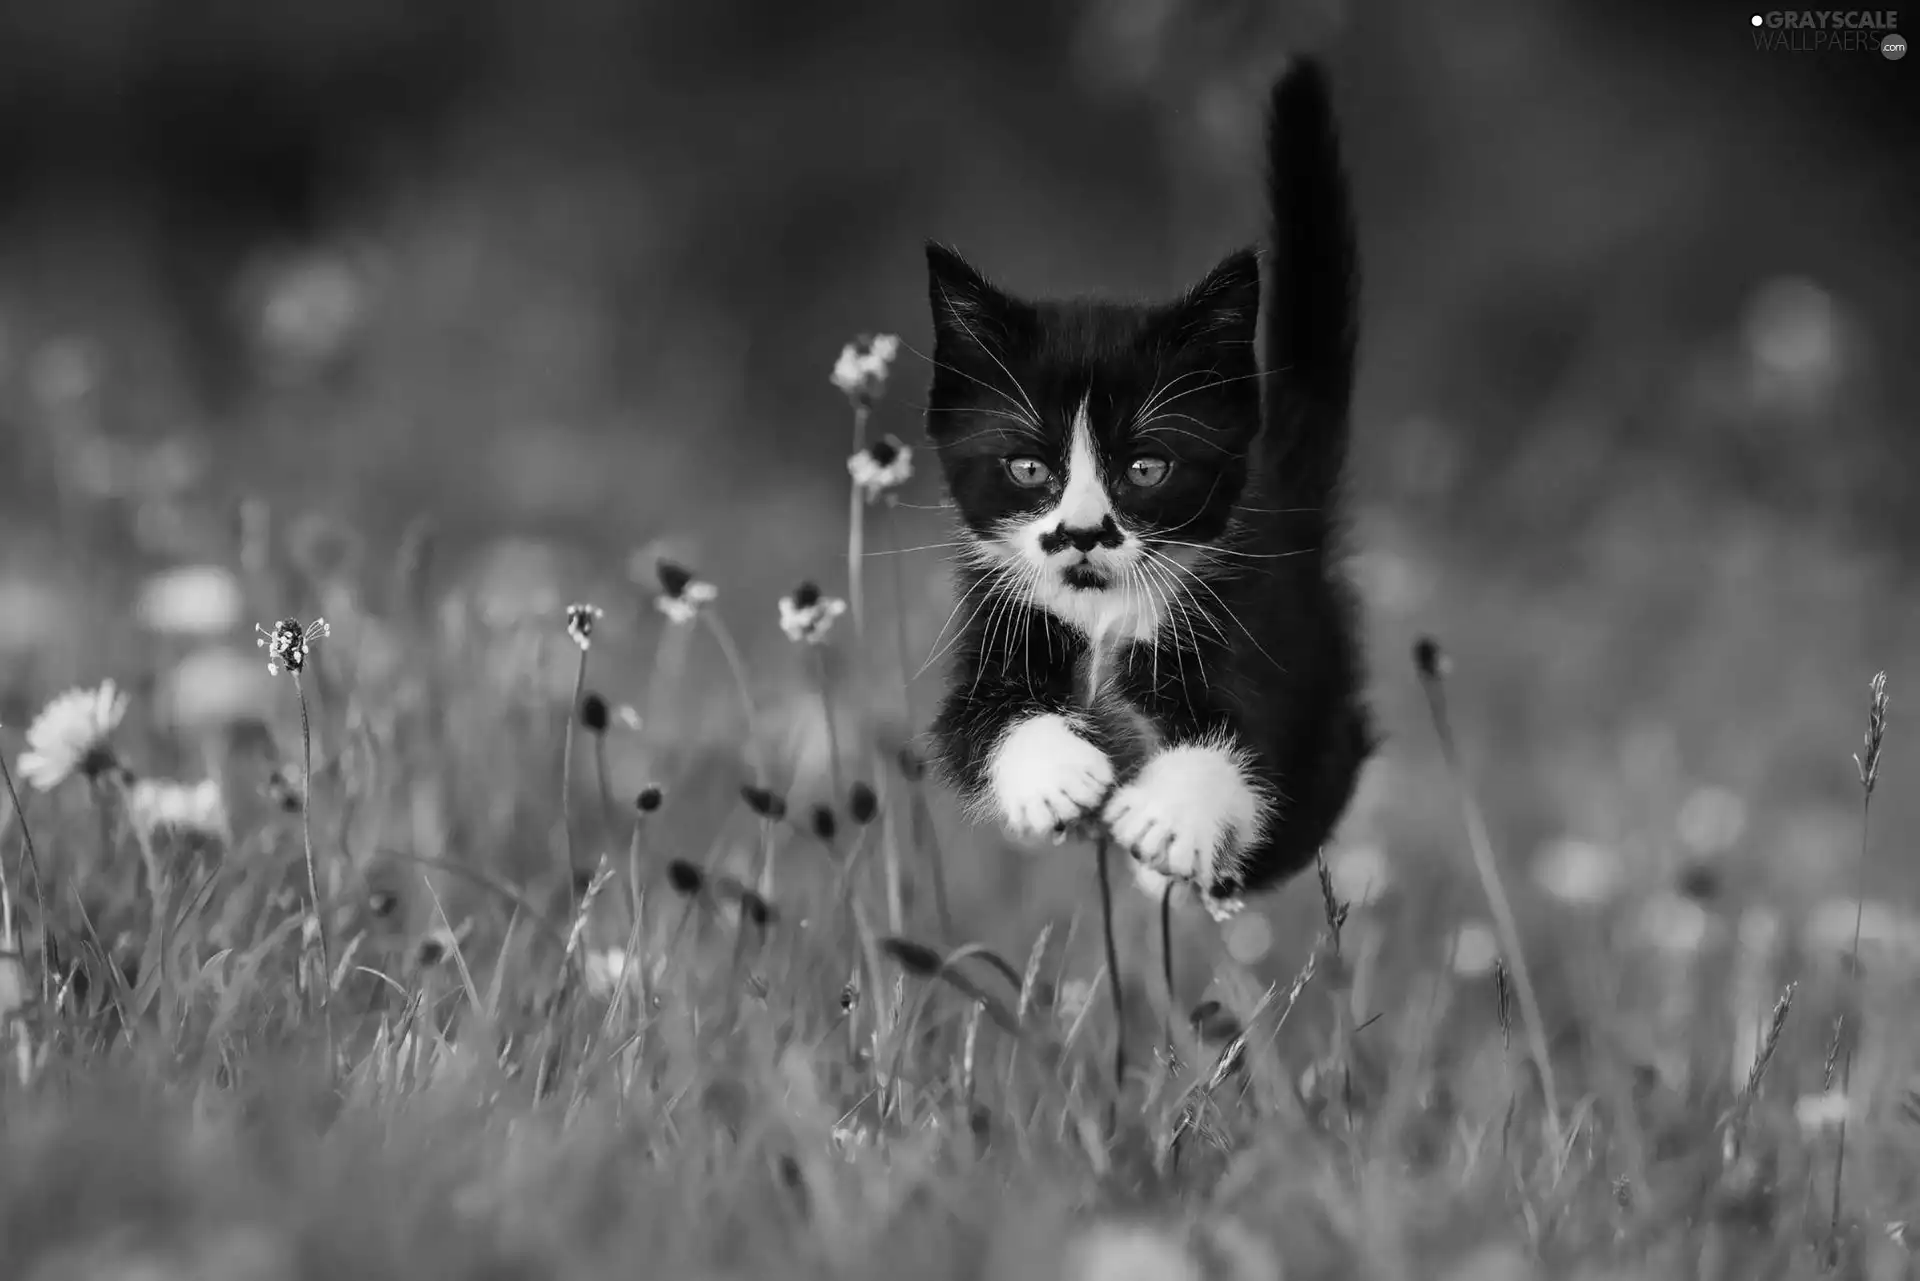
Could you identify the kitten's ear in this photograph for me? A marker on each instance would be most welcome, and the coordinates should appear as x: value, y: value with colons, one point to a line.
x: 1224, y: 308
x: 965, y: 307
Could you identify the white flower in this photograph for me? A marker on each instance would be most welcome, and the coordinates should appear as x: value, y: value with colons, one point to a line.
x: 156, y: 805
x: 1818, y: 1112
x: 1674, y: 923
x: 1578, y: 873
x: 861, y: 372
x: 1793, y: 331
x: 63, y: 371
x: 807, y: 616
x: 1712, y: 820
x: 1475, y: 950
x: 881, y: 467
x: 1072, y: 1001
x: 1759, y: 930
x: 1129, y: 1252
x: 71, y: 735
x: 311, y: 309
x: 288, y: 643
x: 681, y: 594
x: 580, y: 621
x: 192, y: 600
x: 607, y: 969
x: 1360, y: 873
x: 213, y: 688
x: 1248, y: 938
x: 685, y: 607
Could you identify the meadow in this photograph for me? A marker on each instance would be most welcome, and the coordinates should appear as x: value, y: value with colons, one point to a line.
x: 644, y: 948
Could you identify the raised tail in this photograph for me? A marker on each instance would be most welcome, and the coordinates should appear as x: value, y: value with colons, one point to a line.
x: 1311, y: 306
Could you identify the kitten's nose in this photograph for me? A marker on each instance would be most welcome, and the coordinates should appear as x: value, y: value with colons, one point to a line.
x: 1105, y: 534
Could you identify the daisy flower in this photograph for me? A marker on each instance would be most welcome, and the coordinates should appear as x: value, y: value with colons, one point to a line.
x: 1712, y: 820
x: 1820, y: 1112
x: 191, y: 600
x: 1474, y: 950
x: 288, y: 643
x: 1129, y: 1252
x: 1248, y: 937
x: 1674, y: 924
x: 189, y: 809
x: 71, y: 735
x: 1361, y: 873
x: 580, y: 621
x: 1578, y: 873
x: 807, y: 616
x: 861, y: 372
x: 607, y: 970
x: 881, y: 467
x: 681, y: 594
x: 1072, y: 1001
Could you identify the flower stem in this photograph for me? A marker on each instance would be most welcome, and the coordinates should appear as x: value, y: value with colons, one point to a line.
x: 607, y: 820
x: 39, y: 896
x: 1869, y: 765
x: 635, y: 901
x: 669, y: 660
x: 566, y: 781
x: 824, y: 685
x: 935, y: 858
x: 1113, y: 976
x: 723, y: 639
x: 313, y: 878
x: 856, y: 530
x: 1486, y: 867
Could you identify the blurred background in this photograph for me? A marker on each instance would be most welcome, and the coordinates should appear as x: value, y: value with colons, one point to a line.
x: 567, y: 279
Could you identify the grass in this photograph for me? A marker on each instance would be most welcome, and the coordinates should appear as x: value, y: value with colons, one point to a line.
x: 557, y: 1033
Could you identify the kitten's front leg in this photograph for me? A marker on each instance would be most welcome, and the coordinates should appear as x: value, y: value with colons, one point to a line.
x: 1191, y: 813
x: 1026, y: 759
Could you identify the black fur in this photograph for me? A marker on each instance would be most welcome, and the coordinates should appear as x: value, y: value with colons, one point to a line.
x: 1266, y: 644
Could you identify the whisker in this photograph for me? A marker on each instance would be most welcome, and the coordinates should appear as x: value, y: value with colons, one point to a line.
x: 1153, y: 400
x: 1027, y: 430
x: 1147, y: 430
x: 1033, y: 412
x: 907, y: 551
x: 1275, y: 511
x: 1218, y: 550
x: 984, y: 412
x: 1003, y: 613
x: 1190, y: 576
x: 984, y: 588
x: 1217, y: 383
x: 1177, y: 612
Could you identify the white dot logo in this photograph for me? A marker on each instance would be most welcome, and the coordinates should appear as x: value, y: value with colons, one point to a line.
x: 1759, y: 21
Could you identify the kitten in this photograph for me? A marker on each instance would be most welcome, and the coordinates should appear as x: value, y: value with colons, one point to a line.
x: 1157, y: 637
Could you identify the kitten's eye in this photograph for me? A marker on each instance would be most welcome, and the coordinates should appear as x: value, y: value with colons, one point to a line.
x: 1028, y: 472
x: 1148, y: 472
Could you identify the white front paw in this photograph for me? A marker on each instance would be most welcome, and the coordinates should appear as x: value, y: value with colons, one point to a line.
x: 1190, y: 813
x: 1044, y: 776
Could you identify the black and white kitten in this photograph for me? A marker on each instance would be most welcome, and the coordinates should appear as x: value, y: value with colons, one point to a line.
x: 1157, y: 636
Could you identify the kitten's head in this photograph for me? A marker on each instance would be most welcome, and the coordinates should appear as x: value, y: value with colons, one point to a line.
x: 1087, y: 444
